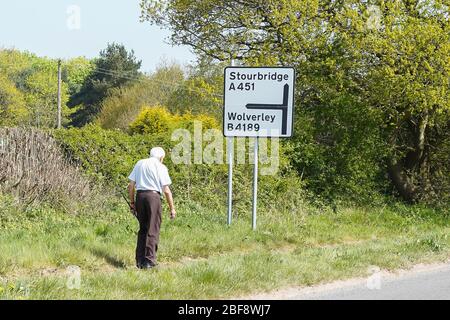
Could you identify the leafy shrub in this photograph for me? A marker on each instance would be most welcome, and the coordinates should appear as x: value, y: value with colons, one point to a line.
x: 12, y: 103
x: 109, y: 157
x: 341, y: 162
x: 106, y: 155
x: 198, y: 95
x: 29, y: 90
x: 152, y: 120
x: 158, y: 120
x: 187, y: 121
x: 122, y: 105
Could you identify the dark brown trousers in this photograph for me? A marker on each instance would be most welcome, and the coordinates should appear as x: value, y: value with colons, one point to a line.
x: 148, y: 207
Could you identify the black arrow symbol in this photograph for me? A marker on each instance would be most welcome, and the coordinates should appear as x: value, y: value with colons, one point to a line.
x: 283, y: 107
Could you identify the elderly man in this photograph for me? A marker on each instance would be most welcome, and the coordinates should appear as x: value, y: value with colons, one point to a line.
x: 150, y: 179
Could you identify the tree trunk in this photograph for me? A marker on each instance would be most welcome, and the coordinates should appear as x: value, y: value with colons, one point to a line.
x: 415, y: 158
x: 414, y: 162
x: 401, y: 181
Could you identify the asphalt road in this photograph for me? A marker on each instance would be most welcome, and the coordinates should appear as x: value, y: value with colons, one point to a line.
x: 425, y: 284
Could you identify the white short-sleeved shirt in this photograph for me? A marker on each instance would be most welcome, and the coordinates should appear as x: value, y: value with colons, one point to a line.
x: 150, y: 174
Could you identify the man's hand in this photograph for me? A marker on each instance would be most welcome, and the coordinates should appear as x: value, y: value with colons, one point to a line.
x: 169, y: 199
x: 131, y: 191
x: 133, y: 209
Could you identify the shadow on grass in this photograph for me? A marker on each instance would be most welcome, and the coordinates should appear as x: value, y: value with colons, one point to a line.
x: 108, y: 258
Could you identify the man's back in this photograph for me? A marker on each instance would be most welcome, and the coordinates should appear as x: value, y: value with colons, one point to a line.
x: 150, y: 174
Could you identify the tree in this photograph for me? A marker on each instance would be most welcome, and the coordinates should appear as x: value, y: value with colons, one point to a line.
x: 15, y: 65
x: 408, y: 83
x: 387, y: 58
x: 122, y: 105
x: 75, y: 72
x: 260, y: 31
x: 196, y: 95
x: 40, y: 92
x: 13, y: 110
x: 35, y: 80
x: 115, y: 67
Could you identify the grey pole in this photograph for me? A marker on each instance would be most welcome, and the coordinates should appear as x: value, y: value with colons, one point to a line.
x: 255, y: 184
x: 230, y: 146
x: 230, y: 151
x: 59, y: 95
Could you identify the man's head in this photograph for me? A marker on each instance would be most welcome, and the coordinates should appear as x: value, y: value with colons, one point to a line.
x: 158, y: 153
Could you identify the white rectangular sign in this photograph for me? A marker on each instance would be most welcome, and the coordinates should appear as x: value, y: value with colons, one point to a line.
x: 258, y: 102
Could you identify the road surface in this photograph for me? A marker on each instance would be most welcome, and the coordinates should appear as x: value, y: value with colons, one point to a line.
x: 420, y: 283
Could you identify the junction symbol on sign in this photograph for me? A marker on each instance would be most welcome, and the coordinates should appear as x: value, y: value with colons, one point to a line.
x: 283, y: 107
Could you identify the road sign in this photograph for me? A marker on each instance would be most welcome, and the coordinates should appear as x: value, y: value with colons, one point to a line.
x: 258, y: 102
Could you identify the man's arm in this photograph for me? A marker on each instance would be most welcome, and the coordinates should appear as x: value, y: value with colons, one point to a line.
x: 169, y: 198
x: 131, y: 190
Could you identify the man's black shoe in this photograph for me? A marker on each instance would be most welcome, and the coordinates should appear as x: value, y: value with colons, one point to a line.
x: 147, y: 265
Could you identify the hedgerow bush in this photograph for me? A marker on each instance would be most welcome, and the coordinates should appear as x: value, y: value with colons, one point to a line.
x: 152, y: 120
x: 34, y: 171
x: 106, y: 155
x: 158, y: 120
x: 109, y: 156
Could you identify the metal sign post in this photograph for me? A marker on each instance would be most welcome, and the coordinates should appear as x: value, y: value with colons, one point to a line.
x: 255, y: 184
x: 258, y: 102
x: 230, y: 149
x: 230, y: 152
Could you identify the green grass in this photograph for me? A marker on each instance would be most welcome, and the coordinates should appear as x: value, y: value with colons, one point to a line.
x: 200, y: 257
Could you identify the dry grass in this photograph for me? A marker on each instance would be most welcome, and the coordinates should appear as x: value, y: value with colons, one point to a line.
x: 34, y: 170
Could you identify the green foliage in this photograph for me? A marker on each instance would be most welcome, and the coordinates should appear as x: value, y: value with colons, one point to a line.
x: 408, y: 81
x: 13, y: 110
x: 122, y: 105
x: 158, y: 120
x: 109, y: 157
x: 35, y: 82
x: 114, y: 68
x: 152, y: 120
x: 389, y: 59
x: 338, y: 150
x: 41, y: 89
x: 197, y: 248
x: 197, y: 95
x: 201, y: 91
x: 75, y: 72
x: 16, y: 65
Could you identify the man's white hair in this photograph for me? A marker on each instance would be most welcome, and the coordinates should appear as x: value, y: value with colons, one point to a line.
x: 157, y: 152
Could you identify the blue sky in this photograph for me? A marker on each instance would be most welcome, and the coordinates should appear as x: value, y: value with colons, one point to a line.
x: 45, y: 27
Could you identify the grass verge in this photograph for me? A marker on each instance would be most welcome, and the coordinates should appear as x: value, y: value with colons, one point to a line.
x: 202, y: 258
